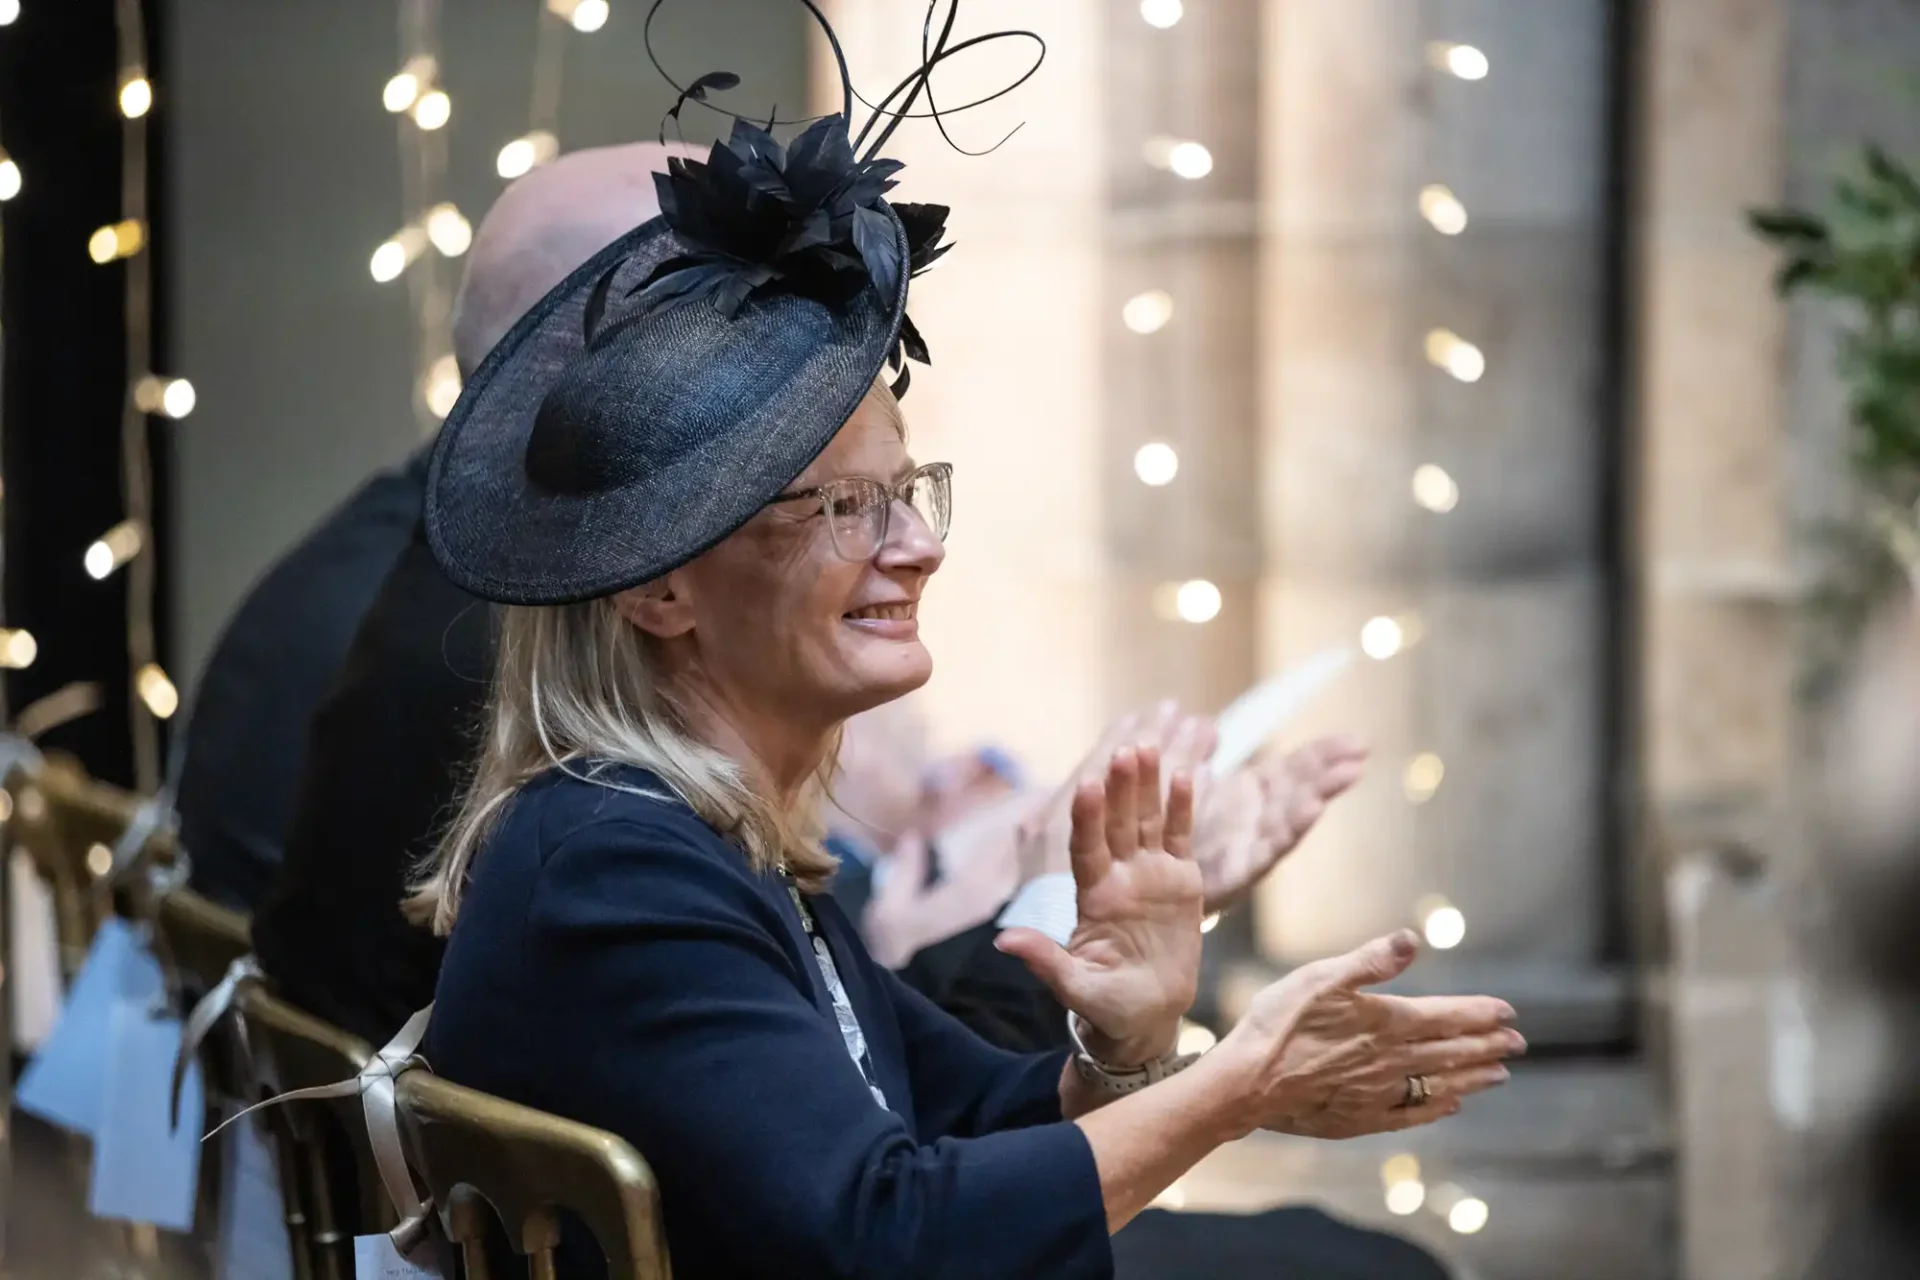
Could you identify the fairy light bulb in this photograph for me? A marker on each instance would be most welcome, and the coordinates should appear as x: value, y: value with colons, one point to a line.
x: 433, y: 110
x: 9, y: 12
x: 1182, y: 157
x: 1148, y: 312
x: 1468, y: 1215
x: 1448, y: 350
x: 1443, y: 210
x: 1156, y: 463
x: 1442, y: 923
x: 1197, y: 601
x: 1462, y: 60
x: 525, y: 153
x: 157, y: 691
x: 590, y: 15
x: 136, y: 97
x: 1162, y: 13
x: 443, y: 386
x: 1211, y: 923
x: 1195, y: 1038
x: 449, y: 230
x: 1190, y: 160
x: 1423, y: 776
x: 396, y: 254
x: 1381, y: 638
x: 113, y: 549
x: 18, y: 648
x: 10, y: 179
x: 1434, y: 489
x: 119, y: 240
x: 166, y: 397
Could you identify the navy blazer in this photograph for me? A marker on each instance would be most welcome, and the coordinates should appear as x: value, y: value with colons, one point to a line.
x: 618, y: 962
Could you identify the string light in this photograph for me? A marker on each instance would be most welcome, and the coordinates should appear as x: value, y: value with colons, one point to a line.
x: 1183, y: 158
x: 406, y: 87
x: 442, y: 390
x: 1462, y: 60
x: 586, y: 16
x: 9, y: 12
x: 1211, y: 923
x: 1148, y: 312
x: 1448, y: 350
x: 99, y: 860
x: 1156, y: 463
x: 166, y: 397
x: 1400, y: 1176
x: 1162, y: 13
x: 433, y: 110
x: 18, y: 648
x: 120, y: 240
x: 1195, y: 1038
x: 1197, y: 601
x: 1423, y: 776
x: 1468, y: 1215
x: 526, y: 153
x: 1443, y: 210
x: 1434, y: 489
x: 114, y: 548
x: 1442, y: 923
x: 449, y: 230
x: 1381, y: 638
x: 10, y: 179
x: 157, y: 691
x: 397, y: 254
x: 136, y: 97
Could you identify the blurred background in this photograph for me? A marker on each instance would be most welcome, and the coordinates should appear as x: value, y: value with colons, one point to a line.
x: 1439, y: 330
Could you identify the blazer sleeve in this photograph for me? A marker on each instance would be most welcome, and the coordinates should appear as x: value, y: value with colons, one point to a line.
x: 686, y: 1029
x: 962, y: 1084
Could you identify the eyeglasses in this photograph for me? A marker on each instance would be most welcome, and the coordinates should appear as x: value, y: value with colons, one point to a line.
x: 860, y: 510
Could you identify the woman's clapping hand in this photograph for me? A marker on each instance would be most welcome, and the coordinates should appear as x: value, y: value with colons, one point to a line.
x: 1320, y: 1057
x: 1132, y: 966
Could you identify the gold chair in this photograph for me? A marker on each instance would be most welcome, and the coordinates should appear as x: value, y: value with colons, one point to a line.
x: 328, y: 1180
x: 67, y: 823
x: 484, y: 1159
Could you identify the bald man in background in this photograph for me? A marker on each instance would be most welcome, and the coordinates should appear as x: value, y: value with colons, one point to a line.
x: 384, y: 746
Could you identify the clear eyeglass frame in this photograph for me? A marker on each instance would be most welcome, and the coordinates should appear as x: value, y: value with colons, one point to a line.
x: 859, y: 509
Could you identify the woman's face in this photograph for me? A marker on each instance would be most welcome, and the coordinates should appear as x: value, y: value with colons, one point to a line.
x: 782, y: 623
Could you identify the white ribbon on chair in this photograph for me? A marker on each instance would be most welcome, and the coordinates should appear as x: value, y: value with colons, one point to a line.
x: 206, y: 1015
x: 375, y: 1087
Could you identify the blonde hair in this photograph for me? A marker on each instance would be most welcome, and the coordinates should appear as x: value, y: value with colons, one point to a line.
x: 575, y: 688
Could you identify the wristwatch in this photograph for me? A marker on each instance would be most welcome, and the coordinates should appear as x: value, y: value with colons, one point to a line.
x: 1114, y: 1081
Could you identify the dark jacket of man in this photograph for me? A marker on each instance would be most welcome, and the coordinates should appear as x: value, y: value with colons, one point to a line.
x: 384, y: 763
x: 272, y: 665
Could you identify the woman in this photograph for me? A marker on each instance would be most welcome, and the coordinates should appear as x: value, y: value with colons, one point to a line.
x: 683, y: 475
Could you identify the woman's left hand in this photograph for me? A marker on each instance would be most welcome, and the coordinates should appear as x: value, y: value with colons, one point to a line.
x: 1132, y: 966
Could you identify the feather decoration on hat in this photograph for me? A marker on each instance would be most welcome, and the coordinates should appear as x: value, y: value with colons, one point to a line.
x: 809, y: 218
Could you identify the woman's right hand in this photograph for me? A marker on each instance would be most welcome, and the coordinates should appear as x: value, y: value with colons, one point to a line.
x: 1322, y: 1058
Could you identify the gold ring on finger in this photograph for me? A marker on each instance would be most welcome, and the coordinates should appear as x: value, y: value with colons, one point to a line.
x: 1419, y: 1090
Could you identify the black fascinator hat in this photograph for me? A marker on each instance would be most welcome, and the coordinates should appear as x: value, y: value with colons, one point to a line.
x: 685, y: 375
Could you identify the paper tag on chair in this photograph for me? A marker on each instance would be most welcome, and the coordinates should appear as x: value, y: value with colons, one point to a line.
x: 145, y: 1169
x: 65, y: 1083
x: 377, y: 1258
x: 253, y: 1242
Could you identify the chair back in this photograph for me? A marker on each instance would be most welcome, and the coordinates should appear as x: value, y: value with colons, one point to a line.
x: 328, y: 1180
x: 485, y: 1159
x: 67, y: 823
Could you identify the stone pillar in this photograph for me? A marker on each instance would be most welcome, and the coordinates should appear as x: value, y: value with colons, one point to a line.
x: 1016, y: 399
x: 1716, y: 627
x: 1508, y: 586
